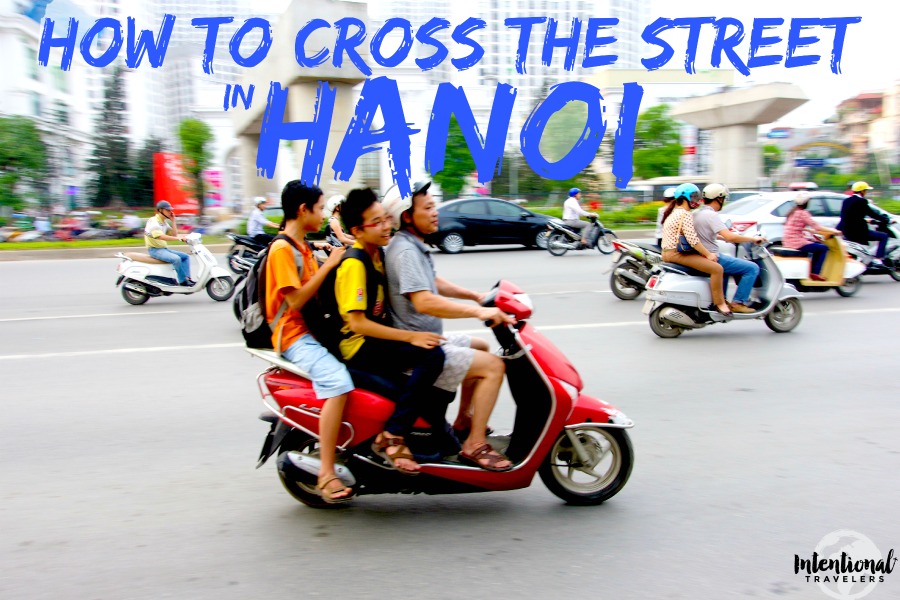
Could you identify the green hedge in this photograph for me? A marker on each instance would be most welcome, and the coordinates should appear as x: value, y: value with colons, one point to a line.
x: 642, y: 215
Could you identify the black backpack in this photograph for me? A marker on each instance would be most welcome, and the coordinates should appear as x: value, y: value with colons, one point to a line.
x: 321, y: 312
x: 250, y: 304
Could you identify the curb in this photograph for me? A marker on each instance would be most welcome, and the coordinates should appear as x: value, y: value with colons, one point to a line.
x: 72, y: 253
x: 110, y: 251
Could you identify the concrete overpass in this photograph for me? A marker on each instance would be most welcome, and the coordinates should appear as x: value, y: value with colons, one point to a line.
x: 733, y: 117
x: 281, y: 66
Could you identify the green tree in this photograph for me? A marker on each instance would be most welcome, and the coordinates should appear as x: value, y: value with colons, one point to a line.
x: 657, y: 151
x: 23, y: 157
x: 772, y: 159
x: 142, y: 176
x: 458, y: 162
x: 195, y: 136
x: 110, y: 163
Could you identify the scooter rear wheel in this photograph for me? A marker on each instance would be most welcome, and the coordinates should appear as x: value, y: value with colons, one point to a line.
x: 623, y: 288
x: 605, y: 243
x: 661, y: 327
x: 610, y: 458
x: 557, y: 244
x: 307, y: 494
x: 132, y: 296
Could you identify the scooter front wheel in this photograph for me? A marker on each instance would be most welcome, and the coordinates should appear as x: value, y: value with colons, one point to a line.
x: 784, y: 316
x: 220, y: 289
x: 592, y: 473
x: 850, y: 287
x: 557, y: 244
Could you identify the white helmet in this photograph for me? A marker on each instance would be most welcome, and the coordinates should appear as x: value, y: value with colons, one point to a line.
x: 802, y: 198
x: 715, y: 191
x: 333, y: 203
x: 258, y: 200
x: 669, y: 194
x: 395, y: 204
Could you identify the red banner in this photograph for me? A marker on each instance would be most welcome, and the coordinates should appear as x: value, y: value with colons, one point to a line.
x: 170, y: 183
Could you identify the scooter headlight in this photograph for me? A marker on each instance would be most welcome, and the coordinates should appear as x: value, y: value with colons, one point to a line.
x: 571, y: 390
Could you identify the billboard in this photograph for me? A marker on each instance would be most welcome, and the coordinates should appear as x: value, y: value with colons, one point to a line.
x: 171, y: 183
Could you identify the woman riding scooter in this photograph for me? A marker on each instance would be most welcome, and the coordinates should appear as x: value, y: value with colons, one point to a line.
x: 681, y: 245
x: 797, y: 236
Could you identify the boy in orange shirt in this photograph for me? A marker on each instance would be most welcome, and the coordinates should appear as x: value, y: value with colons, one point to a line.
x: 293, y: 284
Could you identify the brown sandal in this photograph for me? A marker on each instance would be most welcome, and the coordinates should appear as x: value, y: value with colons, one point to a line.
x: 383, y: 442
x: 329, y: 495
x: 486, y: 452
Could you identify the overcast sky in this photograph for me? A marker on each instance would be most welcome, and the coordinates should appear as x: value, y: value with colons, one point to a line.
x: 870, y: 51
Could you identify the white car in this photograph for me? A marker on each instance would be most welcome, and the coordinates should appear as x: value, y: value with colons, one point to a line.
x: 764, y: 214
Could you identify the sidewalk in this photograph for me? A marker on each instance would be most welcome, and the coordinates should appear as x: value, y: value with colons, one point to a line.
x: 110, y: 252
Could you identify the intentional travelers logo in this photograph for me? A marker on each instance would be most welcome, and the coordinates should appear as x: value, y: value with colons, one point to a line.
x: 845, y: 565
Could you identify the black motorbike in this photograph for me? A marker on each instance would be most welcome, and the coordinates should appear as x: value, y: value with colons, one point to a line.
x: 561, y: 238
x: 244, y: 249
x: 890, y: 264
x: 632, y: 267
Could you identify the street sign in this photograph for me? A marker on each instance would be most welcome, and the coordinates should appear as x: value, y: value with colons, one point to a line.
x: 809, y: 162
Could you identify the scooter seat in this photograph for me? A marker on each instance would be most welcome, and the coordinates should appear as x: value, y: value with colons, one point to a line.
x: 144, y: 258
x: 789, y: 252
x: 683, y: 269
x: 648, y: 247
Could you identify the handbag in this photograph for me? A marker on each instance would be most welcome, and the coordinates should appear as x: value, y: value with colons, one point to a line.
x: 684, y: 247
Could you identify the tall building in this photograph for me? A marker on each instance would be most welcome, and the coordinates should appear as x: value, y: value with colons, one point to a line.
x: 54, y: 99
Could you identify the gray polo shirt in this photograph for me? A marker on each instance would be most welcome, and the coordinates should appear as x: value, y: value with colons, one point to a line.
x: 410, y: 268
x: 707, y: 224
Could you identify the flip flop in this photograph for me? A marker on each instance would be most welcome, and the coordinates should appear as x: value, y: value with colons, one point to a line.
x: 486, y: 452
x: 380, y: 448
x: 328, y: 495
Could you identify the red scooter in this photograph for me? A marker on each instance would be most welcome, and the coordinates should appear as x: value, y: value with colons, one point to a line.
x: 577, y: 443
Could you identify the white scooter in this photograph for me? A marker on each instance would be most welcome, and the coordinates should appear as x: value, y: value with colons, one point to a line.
x: 142, y: 276
x: 679, y: 298
x: 841, y: 272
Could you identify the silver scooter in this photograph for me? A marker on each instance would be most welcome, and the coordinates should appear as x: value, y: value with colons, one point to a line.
x: 679, y: 298
x: 142, y: 276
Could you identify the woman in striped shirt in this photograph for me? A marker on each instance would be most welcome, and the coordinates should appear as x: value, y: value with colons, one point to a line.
x: 677, y: 221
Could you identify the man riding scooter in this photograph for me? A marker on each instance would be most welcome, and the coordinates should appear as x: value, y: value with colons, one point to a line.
x: 572, y: 213
x: 709, y: 226
x: 160, y: 229
x: 853, y: 224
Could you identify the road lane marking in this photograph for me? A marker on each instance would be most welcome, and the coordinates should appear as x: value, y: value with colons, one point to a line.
x: 483, y: 330
x: 122, y: 351
x: 155, y: 312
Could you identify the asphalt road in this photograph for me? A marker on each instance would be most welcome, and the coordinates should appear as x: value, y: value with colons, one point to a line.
x: 129, y: 437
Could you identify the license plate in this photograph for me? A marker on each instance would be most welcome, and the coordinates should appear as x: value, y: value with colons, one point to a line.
x: 648, y: 307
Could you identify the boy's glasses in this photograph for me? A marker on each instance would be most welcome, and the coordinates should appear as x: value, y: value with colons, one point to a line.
x: 377, y: 223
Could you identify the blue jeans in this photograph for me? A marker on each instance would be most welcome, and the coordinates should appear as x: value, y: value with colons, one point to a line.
x: 881, y: 238
x: 746, y: 273
x: 819, y: 251
x: 179, y: 260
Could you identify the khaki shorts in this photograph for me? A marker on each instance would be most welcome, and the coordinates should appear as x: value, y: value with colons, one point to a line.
x: 458, y: 355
